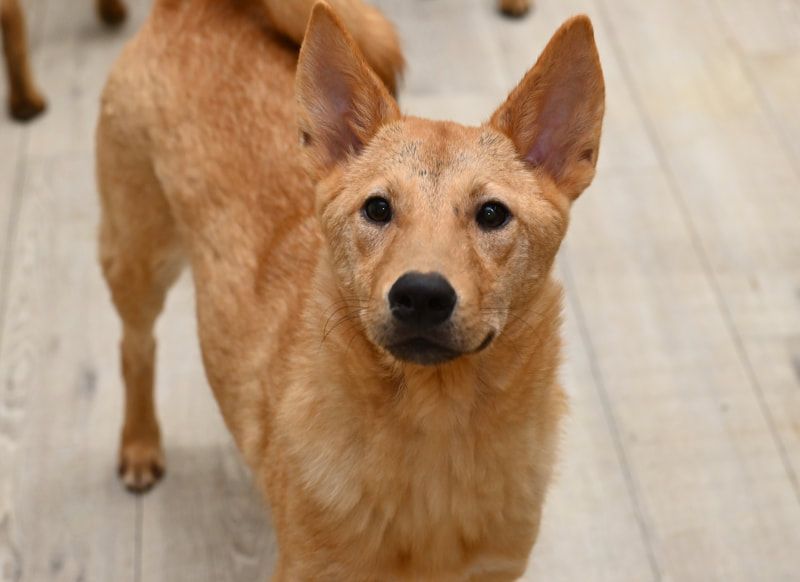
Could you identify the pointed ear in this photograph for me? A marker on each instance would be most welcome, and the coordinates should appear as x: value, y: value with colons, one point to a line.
x: 342, y: 103
x: 555, y: 115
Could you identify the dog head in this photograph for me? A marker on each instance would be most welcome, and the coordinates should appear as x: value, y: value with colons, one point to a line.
x: 439, y: 233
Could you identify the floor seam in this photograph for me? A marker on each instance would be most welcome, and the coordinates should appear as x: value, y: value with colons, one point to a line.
x: 610, y: 416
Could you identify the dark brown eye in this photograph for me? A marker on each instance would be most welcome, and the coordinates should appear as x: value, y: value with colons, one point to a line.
x: 492, y: 215
x: 378, y: 209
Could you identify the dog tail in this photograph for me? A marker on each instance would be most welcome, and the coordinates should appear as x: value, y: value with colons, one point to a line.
x: 375, y: 35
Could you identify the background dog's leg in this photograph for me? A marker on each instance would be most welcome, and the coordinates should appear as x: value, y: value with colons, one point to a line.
x: 24, y: 100
x: 141, y: 258
x: 514, y: 7
x: 112, y: 12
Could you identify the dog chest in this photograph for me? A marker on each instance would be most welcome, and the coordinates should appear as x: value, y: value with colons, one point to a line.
x: 426, y: 500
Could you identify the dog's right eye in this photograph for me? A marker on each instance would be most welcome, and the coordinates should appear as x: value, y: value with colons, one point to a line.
x: 492, y: 215
x: 378, y: 209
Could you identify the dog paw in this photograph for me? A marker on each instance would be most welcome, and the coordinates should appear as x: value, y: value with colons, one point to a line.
x: 141, y: 466
x: 26, y: 108
x: 112, y: 12
x: 515, y: 8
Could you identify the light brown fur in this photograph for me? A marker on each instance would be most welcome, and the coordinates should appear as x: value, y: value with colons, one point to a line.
x: 25, y: 101
x: 376, y: 468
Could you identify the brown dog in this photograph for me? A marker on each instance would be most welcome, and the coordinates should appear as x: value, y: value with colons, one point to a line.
x: 25, y: 101
x: 376, y: 310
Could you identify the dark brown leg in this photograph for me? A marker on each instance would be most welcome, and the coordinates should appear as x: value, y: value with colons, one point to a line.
x: 514, y: 7
x: 112, y: 12
x: 24, y: 99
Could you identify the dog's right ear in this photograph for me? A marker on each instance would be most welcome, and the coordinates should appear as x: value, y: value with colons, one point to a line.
x: 342, y: 103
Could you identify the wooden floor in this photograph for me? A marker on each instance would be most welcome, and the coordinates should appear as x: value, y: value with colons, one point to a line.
x: 681, y: 458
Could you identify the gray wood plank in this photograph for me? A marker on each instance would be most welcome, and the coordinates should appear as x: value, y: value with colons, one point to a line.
x: 590, y: 528
x: 702, y: 450
x: 732, y: 177
x: 713, y: 487
x: 13, y: 145
x: 454, y: 71
x: 766, y: 41
x: 67, y: 517
x: 73, y: 62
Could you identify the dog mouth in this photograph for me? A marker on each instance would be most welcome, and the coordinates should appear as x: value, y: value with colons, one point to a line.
x: 429, y: 352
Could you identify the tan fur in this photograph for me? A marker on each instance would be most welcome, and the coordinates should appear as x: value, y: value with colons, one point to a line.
x: 25, y: 101
x: 376, y: 469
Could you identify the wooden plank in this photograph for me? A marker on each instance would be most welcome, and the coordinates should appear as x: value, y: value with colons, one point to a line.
x: 453, y: 69
x: 734, y: 177
x: 713, y: 487
x: 13, y: 144
x: 711, y: 476
x: 761, y: 28
x: 766, y: 41
x: 65, y: 517
x: 50, y: 464
x: 775, y: 76
x: 13, y: 138
x: 765, y: 38
x: 590, y: 530
x: 735, y: 180
x: 72, y: 65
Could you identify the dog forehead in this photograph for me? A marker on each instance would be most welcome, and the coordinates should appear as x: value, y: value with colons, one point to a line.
x: 435, y: 153
x: 414, y: 140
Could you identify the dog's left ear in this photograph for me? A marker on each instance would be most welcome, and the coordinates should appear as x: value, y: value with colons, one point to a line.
x: 555, y: 115
x: 342, y: 103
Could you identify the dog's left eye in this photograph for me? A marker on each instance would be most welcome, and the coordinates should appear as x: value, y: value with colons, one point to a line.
x: 492, y: 215
x: 378, y: 209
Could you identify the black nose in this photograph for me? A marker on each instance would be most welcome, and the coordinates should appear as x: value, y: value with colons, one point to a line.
x: 422, y: 299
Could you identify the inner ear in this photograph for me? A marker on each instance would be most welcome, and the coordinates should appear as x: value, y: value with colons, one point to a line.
x: 554, y: 116
x: 342, y: 103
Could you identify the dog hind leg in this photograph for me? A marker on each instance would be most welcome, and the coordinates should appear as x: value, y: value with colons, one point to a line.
x: 514, y: 8
x: 24, y: 101
x: 112, y: 12
x: 141, y: 257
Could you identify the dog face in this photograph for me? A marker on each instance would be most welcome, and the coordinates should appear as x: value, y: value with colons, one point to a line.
x: 439, y: 234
